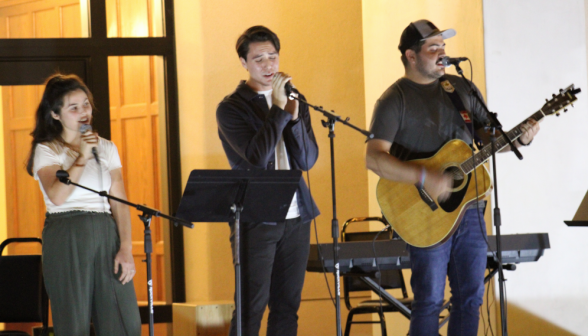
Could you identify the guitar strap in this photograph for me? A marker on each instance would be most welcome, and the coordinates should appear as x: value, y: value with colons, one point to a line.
x: 458, y: 103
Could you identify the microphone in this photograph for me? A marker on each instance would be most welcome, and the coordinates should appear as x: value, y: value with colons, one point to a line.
x: 85, y: 128
x: 63, y: 176
x: 290, y: 89
x: 449, y: 61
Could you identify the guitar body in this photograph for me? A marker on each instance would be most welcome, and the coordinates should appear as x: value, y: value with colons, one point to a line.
x: 413, y: 219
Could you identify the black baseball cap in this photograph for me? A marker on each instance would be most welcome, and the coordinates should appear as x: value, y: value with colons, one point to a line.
x: 420, y: 30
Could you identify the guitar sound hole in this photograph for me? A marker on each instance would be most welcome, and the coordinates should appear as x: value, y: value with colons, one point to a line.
x: 457, y: 174
x: 460, y: 186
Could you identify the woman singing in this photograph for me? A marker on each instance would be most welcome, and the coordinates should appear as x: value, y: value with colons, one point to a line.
x: 87, y: 260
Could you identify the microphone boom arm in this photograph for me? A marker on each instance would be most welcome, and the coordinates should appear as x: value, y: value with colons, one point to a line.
x: 332, y: 116
x: 63, y: 177
x: 494, y: 123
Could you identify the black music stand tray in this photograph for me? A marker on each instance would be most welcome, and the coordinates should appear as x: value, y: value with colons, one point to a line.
x: 581, y: 217
x: 238, y: 195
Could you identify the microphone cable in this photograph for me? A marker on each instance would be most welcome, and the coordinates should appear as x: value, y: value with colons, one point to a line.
x: 83, y: 129
x: 378, y: 271
x: 478, y: 210
x: 100, y: 177
x: 318, y: 245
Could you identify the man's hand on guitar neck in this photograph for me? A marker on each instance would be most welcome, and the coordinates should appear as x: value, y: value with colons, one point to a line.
x: 530, y: 129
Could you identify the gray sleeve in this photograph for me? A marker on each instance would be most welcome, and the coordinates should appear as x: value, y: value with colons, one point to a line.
x: 387, y: 116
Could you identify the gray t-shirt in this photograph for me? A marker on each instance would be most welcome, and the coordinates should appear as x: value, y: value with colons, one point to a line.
x: 419, y: 119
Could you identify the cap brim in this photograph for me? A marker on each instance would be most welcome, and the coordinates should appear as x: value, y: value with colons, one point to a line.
x: 448, y: 33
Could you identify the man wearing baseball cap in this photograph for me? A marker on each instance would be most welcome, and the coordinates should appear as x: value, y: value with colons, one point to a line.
x: 412, y: 120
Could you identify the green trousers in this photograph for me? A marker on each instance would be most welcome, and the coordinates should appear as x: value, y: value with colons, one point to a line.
x: 78, y: 265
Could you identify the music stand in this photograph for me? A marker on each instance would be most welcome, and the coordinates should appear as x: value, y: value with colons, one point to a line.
x: 581, y: 217
x: 238, y: 195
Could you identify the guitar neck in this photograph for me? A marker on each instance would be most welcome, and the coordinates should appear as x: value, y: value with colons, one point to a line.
x: 486, y: 152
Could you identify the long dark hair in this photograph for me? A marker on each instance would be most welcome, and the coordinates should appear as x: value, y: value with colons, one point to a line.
x: 48, y: 129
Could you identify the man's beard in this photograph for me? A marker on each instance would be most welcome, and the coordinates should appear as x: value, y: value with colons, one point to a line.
x: 430, y: 74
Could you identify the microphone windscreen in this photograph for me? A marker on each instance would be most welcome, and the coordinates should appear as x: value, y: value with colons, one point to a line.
x: 446, y: 61
x: 85, y: 128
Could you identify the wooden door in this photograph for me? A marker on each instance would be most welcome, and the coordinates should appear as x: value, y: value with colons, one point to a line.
x: 134, y: 115
x: 25, y: 205
x: 135, y: 129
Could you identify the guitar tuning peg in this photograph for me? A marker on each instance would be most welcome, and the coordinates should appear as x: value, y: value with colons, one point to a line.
x: 572, y: 105
x: 560, y: 90
x: 553, y: 95
x: 565, y: 110
x: 557, y: 114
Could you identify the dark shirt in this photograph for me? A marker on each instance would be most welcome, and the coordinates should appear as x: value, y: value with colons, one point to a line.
x: 249, y: 131
x: 419, y: 119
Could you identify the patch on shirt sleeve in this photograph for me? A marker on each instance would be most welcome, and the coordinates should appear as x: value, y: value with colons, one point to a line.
x: 447, y: 86
x: 466, y: 116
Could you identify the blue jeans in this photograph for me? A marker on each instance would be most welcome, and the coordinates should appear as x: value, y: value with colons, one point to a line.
x: 463, y: 259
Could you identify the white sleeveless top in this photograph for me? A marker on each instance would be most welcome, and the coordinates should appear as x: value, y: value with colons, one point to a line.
x: 50, y: 154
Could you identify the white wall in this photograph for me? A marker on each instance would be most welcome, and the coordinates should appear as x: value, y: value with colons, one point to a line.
x: 533, y: 48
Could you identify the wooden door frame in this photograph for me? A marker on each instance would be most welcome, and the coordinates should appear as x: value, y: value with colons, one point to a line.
x: 94, y: 51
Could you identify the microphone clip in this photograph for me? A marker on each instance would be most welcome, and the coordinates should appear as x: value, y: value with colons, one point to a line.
x: 449, y: 61
x: 63, y: 176
x: 291, y: 91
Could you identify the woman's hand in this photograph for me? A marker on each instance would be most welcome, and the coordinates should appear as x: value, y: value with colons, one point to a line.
x: 89, y: 140
x: 124, y: 259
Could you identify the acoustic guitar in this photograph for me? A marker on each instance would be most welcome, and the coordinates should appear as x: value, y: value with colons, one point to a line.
x: 422, y: 221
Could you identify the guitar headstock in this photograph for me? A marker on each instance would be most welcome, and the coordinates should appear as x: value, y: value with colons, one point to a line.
x: 558, y: 102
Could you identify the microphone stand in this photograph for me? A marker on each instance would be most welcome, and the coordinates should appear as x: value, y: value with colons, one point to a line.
x: 493, y: 127
x: 63, y: 177
x: 332, y: 118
